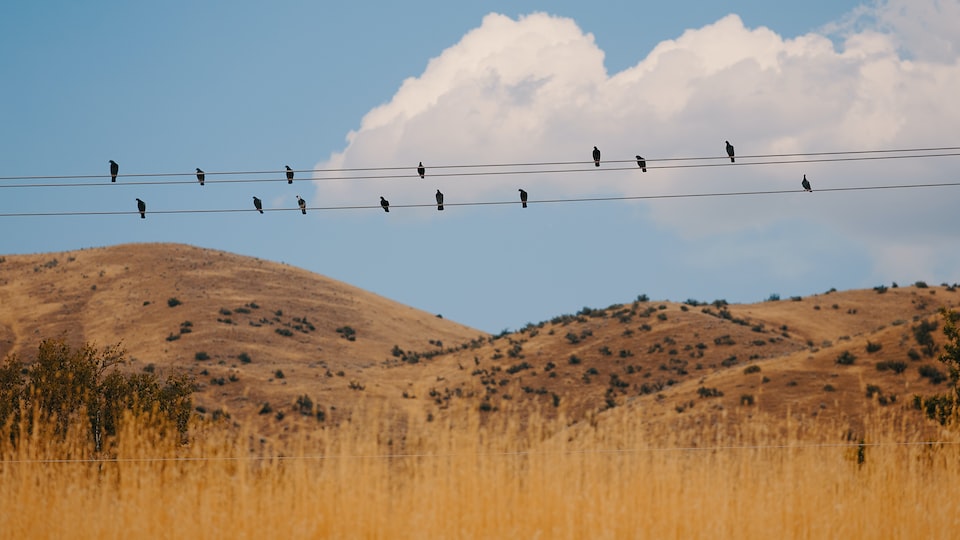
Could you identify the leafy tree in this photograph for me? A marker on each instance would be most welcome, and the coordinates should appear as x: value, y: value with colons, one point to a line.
x: 65, y: 387
x: 951, y: 349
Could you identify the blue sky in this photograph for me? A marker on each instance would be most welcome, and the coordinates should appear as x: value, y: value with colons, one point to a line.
x: 254, y: 86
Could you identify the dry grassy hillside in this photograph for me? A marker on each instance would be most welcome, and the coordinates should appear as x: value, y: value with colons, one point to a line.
x: 271, y: 345
x: 233, y: 321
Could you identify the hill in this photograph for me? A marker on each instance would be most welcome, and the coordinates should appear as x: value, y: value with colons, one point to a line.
x: 251, y: 331
x: 271, y: 345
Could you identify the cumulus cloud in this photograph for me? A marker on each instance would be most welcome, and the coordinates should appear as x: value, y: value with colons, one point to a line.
x: 535, y: 89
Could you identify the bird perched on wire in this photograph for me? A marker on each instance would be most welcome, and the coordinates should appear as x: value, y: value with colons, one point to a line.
x: 642, y: 163
x: 142, y: 207
x: 806, y: 184
x: 302, y: 204
x: 114, y: 169
x: 523, y: 198
x: 385, y: 204
x: 289, y: 174
x: 421, y: 170
x: 258, y: 204
x: 596, y: 156
x: 200, y: 175
x: 730, y: 151
x: 439, y: 201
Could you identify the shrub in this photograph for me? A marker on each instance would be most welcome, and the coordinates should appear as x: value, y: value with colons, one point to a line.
x: 932, y: 373
x: 244, y: 358
x: 278, y: 374
x: 773, y: 298
x: 923, y: 333
x: 64, y: 383
x: 751, y: 369
x: 173, y: 302
x: 746, y: 399
x: 846, y: 358
x: 285, y: 332
x: 873, y: 347
x: 829, y: 388
x: 662, y: 316
x: 705, y: 392
x: 572, y: 338
x: 920, y: 284
x: 202, y: 355
x: 896, y: 366
x: 347, y: 333
x: 574, y: 360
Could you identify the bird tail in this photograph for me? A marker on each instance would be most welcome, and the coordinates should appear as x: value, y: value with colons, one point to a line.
x: 113, y: 178
x: 143, y: 215
x: 524, y: 204
x: 644, y: 169
x: 261, y: 211
x: 440, y: 207
x: 596, y: 163
x: 732, y: 160
x: 304, y: 210
x: 289, y: 180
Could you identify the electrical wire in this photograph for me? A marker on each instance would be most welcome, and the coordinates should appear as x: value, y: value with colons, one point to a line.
x: 518, y: 453
x: 490, y: 203
x: 815, y: 157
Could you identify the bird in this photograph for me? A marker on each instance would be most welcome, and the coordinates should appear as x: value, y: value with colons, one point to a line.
x: 258, y: 204
x: 806, y: 184
x: 200, y: 175
x: 523, y: 198
x: 142, y: 207
x: 114, y: 169
x: 439, y: 201
x: 421, y: 170
x: 289, y: 174
x: 730, y: 151
x: 385, y: 204
x: 642, y: 163
x: 302, y: 204
x: 596, y: 156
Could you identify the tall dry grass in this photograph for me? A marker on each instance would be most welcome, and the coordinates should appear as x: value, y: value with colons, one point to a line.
x: 473, y: 478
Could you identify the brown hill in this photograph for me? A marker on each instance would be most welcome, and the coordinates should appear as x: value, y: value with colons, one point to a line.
x: 251, y: 331
x: 269, y: 343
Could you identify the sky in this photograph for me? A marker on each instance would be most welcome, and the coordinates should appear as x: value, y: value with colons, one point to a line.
x: 253, y: 86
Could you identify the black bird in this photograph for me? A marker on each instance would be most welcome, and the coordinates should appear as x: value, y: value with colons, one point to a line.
x: 642, y: 163
x: 385, y: 204
x: 596, y: 156
x: 142, y: 207
x: 114, y: 169
x: 302, y: 204
x: 730, y: 151
x: 200, y: 176
x: 258, y: 204
x: 421, y: 171
x: 439, y: 201
x: 523, y: 198
x: 806, y: 184
x: 289, y: 174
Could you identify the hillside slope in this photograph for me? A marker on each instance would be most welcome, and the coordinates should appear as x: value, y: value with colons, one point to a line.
x: 232, y: 321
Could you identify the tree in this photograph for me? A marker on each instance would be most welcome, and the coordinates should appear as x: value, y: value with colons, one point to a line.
x: 951, y: 349
x: 65, y: 387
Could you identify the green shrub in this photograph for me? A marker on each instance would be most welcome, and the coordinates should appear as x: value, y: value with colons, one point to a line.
x: 746, y: 399
x: 244, y: 358
x: 846, y: 358
x: 873, y: 347
x: 202, y: 355
x: 705, y: 392
x: 896, y: 366
x: 932, y: 373
x: 751, y: 369
x: 173, y: 302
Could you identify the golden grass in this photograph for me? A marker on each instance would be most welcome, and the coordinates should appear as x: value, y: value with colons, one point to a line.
x: 473, y: 477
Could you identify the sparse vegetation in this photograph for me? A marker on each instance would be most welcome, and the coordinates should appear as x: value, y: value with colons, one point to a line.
x: 846, y: 358
x: 173, y: 302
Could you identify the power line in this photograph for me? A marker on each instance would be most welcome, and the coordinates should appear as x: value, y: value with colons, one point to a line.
x: 814, y: 157
x: 517, y: 453
x: 489, y: 203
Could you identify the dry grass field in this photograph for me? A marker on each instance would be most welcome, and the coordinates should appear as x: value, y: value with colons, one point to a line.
x: 472, y: 478
x: 322, y: 410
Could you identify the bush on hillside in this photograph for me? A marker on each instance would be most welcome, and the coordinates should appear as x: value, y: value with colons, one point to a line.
x: 66, y: 387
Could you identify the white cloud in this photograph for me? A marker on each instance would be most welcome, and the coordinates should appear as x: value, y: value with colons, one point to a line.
x: 535, y: 89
